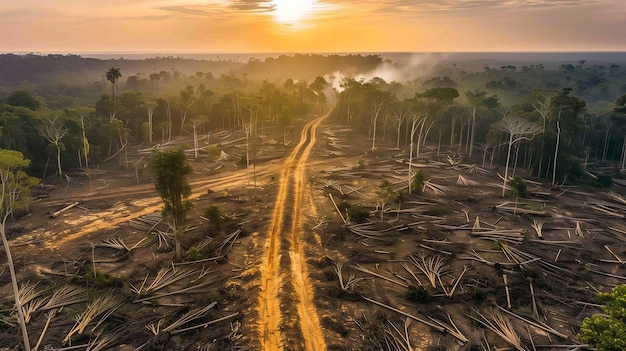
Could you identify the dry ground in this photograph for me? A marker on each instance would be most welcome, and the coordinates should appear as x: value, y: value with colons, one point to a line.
x: 455, y: 267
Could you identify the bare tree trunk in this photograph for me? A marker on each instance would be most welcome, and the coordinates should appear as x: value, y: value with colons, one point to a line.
x: 471, y: 145
x: 506, y: 168
x: 413, y: 129
x: 556, y: 151
x: 452, y: 131
x: 16, y: 291
x: 606, y: 142
x: 169, y: 121
x: 59, y: 161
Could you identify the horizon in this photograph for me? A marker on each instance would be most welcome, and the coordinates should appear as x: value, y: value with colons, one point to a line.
x: 295, y: 26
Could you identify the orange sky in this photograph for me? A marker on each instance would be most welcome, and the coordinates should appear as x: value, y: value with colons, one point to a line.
x: 193, y: 26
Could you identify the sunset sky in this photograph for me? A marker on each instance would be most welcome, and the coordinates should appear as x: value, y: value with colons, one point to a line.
x: 244, y: 26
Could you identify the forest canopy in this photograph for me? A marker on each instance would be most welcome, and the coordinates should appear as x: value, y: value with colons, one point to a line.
x: 65, y: 108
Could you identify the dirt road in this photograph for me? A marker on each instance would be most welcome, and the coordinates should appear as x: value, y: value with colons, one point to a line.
x: 286, y: 227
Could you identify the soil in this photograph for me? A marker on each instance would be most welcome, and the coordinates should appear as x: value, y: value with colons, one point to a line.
x: 287, y: 273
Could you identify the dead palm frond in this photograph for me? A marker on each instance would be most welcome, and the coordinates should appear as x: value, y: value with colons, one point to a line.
x: 432, y: 267
x: 538, y: 226
x: 102, y: 306
x: 345, y: 284
x: 119, y: 244
x: 228, y: 242
x: 165, y: 239
x: 451, y: 328
x: 65, y: 296
x: 101, y: 343
x: 330, y: 184
x: 435, y: 188
x: 49, y: 317
x: 178, y: 326
x: 465, y: 182
x: 493, y: 320
x: 164, y: 277
x: 31, y: 300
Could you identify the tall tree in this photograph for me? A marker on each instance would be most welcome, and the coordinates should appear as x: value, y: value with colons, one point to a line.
x: 113, y: 75
x: 14, y: 194
x: 171, y: 169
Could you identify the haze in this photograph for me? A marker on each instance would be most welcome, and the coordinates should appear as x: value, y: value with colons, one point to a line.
x: 74, y: 26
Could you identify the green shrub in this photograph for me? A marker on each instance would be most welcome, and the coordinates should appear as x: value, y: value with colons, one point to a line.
x: 97, y: 278
x: 214, y: 215
x: 418, y: 294
x: 418, y: 182
x: 607, y: 331
x: 358, y: 214
x: 193, y: 254
x: 519, y: 187
x: 213, y: 150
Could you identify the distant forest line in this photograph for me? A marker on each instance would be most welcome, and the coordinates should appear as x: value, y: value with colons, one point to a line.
x: 83, y: 110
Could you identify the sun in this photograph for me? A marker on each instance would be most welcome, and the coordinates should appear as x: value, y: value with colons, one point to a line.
x: 292, y: 12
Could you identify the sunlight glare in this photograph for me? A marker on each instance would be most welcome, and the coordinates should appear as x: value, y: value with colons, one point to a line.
x: 292, y: 12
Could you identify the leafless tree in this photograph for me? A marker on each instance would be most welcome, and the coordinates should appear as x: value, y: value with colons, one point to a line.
x: 53, y: 130
x: 518, y: 129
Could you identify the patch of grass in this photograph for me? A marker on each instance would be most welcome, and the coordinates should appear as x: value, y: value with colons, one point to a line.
x: 97, y: 278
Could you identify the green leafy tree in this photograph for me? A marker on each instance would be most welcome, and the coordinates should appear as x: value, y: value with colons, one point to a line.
x: 14, y: 195
x: 24, y: 99
x: 171, y: 170
x: 607, y: 331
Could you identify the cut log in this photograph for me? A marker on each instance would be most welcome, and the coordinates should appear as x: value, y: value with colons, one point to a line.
x: 66, y: 208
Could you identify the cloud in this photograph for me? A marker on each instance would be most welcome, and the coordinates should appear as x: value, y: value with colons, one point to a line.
x: 252, y: 5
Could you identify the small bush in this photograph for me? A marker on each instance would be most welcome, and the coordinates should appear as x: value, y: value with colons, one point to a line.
x: 358, y: 214
x: 193, y: 254
x: 97, y: 278
x: 418, y: 182
x: 418, y: 294
x: 213, y: 214
x: 213, y: 150
x: 519, y: 187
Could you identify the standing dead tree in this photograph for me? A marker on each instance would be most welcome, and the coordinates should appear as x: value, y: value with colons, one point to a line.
x: 518, y: 129
x: 53, y: 130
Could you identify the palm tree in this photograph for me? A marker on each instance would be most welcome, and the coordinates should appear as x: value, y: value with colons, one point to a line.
x: 113, y: 75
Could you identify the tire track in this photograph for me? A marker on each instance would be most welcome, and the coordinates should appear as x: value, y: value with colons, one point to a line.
x: 273, y: 279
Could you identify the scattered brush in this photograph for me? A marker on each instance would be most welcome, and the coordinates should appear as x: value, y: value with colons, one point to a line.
x: 347, y: 285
